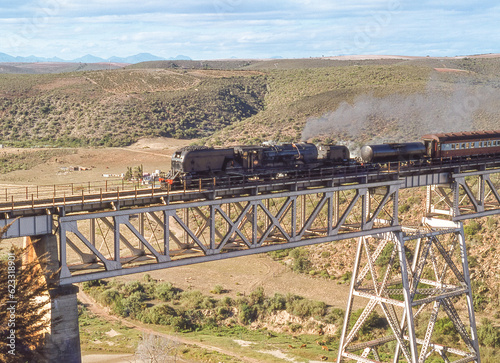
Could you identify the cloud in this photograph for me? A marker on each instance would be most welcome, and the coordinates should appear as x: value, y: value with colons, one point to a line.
x: 258, y: 28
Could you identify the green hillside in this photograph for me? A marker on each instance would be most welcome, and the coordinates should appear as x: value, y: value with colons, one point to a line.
x: 249, y: 101
x: 115, y: 108
x: 359, y: 103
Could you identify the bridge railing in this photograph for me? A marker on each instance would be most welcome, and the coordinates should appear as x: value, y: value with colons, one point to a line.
x: 26, y: 193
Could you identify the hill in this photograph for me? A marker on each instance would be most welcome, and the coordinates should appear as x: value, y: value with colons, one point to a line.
x: 115, y: 108
x: 249, y: 101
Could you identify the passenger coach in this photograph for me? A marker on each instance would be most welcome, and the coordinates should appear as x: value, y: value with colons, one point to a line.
x: 462, y: 144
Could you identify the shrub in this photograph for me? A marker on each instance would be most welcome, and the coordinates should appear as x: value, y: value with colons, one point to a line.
x: 247, y: 313
x: 305, y: 308
x: 161, y: 314
x: 472, y: 228
x: 257, y: 296
x: 374, y: 320
x: 225, y: 301
x: 403, y: 208
x: 444, y: 331
x: 488, y: 335
x: 218, y: 289
x: 479, y: 294
x: 166, y: 291
x: 133, y: 286
x: 346, y: 277
x: 335, y: 316
x: 108, y: 297
x: 276, y: 303
x: 192, y: 300
x: 300, y: 260
x: 280, y: 254
x: 132, y: 306
x: 87, y: 285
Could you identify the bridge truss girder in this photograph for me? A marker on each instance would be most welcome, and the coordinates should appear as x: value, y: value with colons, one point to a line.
x: 412, y: 279
x: 106, y: 244
x: 471, y: 195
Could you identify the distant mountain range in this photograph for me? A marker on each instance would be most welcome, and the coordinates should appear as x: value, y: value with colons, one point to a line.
x: 89, y: 58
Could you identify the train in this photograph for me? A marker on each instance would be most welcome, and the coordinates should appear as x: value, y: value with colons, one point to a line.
x: 270, y: 160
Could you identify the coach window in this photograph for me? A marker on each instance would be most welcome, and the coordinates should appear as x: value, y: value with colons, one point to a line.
x: 472, y: 145
x: 458, y: 146
x: 489, y: 143
x: 467, y: 145
x: 453, y: 146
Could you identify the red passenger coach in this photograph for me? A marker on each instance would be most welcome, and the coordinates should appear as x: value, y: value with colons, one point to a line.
x: 462, y: 144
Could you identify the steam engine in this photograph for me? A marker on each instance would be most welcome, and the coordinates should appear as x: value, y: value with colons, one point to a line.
x: 267, y: 159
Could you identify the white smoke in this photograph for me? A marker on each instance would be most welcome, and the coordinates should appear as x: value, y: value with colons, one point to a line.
x: 433, y: 111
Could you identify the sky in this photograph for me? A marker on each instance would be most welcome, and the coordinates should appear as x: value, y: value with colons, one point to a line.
x: 219, y: 29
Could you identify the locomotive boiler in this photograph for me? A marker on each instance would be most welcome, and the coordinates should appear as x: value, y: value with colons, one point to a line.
x: 270, y: 159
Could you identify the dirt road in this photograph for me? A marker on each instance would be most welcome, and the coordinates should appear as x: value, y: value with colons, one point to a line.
x: 103, y: 313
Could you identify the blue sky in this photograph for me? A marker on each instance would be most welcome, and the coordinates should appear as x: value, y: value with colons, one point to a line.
x: 214, y: 29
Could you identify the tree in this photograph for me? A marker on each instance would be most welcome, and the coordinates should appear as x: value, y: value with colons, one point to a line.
x: 138, y: 171
x: 23, y: 307
x: 156, y: 349
x: 129, y: 174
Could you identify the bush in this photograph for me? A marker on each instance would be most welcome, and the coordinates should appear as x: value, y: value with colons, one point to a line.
x: 257, y: 296
x: 304, y: 308
x: 133, y: 286
x: 300, y: 260
x: 472, y: 228
x: 403, y: 208
x: 444, y: 331
x: 108, y: 297
x: 280, y: 254
x: 87, y: 285
x: 488, y: 335
x: 276, y: 303
x: 132, y: 306
x: 161, y: 314
x: 374, y: 320
x: 166, y: 291
x: 192, y: 300
x: 479, y: 294
x: 335, y: 316
x: 247, y: 314
x: 225, y: 301
x: 218, y: 289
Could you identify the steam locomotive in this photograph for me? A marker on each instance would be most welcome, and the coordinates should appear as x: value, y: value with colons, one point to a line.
x: 193, y: 162
x: 272, y: 160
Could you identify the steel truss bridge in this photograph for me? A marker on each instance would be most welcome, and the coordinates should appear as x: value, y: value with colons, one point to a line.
x: 116, y: 232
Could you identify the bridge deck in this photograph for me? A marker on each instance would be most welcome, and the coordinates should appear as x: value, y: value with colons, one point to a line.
x: 53, y: 201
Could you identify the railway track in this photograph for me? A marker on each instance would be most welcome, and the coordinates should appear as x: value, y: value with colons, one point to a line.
x: 37, y: 200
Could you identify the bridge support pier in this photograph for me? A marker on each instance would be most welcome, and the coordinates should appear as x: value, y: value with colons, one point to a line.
x: 415, y: 280
x: 62, y: 343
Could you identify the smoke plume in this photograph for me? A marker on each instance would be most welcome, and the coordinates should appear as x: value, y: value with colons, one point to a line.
x: 465, y: 107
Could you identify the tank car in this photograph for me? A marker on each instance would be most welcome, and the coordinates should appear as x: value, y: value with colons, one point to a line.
x: 392, y: 152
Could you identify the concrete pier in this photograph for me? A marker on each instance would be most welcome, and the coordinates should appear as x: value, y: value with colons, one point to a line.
x: 62, y: 342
